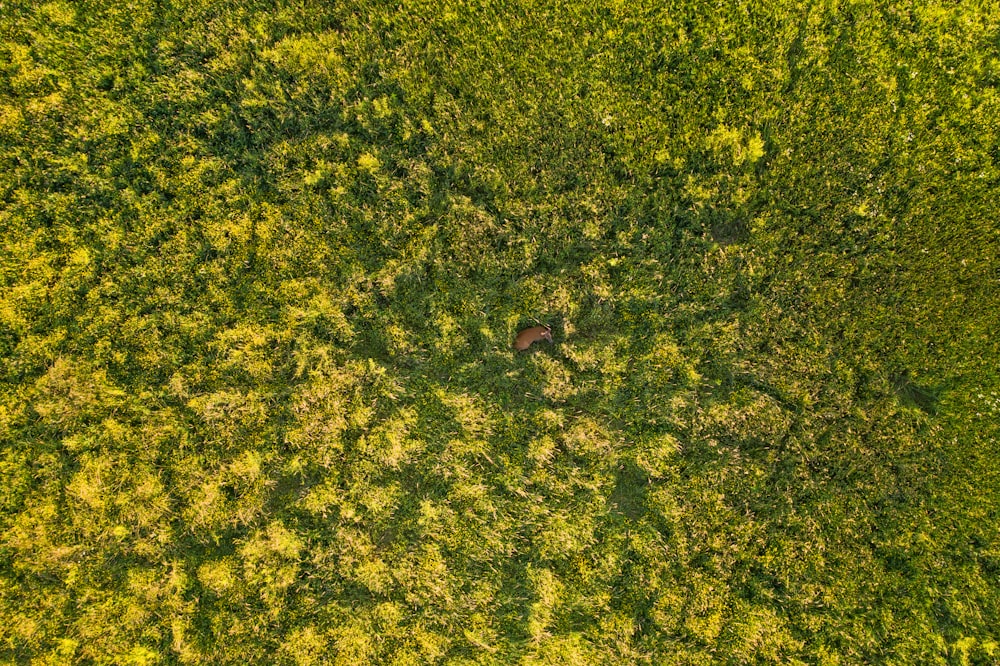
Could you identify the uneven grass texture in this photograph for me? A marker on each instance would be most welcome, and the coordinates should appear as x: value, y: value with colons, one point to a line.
x: 262, y: 266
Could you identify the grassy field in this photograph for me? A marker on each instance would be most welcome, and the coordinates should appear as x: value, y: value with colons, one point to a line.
x: 262, y: 265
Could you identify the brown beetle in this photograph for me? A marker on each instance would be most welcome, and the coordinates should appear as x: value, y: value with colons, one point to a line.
x: 531, y: 335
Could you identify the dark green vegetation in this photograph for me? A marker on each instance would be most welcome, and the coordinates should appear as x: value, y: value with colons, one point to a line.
x: 262, y: 266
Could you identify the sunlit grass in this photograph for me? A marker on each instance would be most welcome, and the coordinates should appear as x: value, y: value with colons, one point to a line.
x: 262, y: 272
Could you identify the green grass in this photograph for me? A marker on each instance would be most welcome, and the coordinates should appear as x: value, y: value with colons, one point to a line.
x: 262, y: 266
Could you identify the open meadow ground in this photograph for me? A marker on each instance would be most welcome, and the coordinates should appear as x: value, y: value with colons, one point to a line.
x: 261, y: 266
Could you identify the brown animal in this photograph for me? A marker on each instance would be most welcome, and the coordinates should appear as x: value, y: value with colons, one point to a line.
x: 531, y: 335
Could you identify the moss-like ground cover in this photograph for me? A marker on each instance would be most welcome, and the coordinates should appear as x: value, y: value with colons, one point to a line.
x: 262, y: 265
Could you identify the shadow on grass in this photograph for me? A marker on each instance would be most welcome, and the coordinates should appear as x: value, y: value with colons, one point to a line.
x: 914, y: 395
